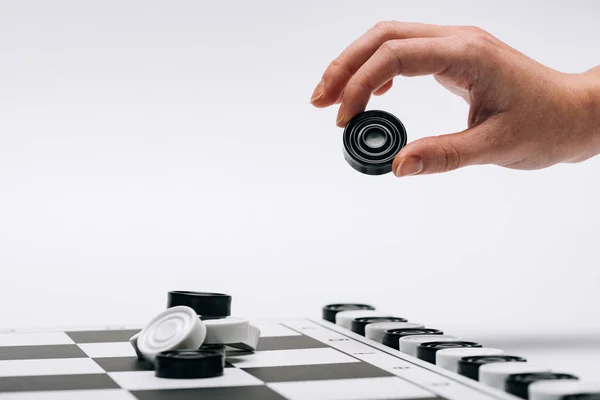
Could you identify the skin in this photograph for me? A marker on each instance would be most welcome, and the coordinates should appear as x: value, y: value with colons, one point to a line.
x: 522, y: 114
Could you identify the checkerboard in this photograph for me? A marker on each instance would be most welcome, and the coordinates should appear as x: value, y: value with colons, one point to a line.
x: 295, y: 360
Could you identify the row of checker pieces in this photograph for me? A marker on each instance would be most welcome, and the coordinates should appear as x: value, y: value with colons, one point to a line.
x: 490, y: 366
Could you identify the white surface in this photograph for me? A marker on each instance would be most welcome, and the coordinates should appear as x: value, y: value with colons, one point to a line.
x: 554, y: 390
x: 145, y: 380
x: 409, y: 344
x: 49, y: 367
x: 226, y: 330
x: 449, y: 358
x: 276, y: 358
x: 495, y: 374
x: 375, y: 331
x: 350, y: 389
x: 174, y: 143
x: 174, y: 328
x: 344, y: 318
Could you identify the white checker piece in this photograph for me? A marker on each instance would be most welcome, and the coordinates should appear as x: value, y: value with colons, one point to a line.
x: 280, y: 358
x: 554, y: 390
x: 58, y: 366
x: 146, y: 380
x: 351, y: 389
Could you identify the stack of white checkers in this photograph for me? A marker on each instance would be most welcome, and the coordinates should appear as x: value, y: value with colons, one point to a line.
x: 189, y: 339
x: 490, y: 366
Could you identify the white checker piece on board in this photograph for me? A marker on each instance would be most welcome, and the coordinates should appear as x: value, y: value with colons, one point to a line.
x: 409, y: 344
x: 495, y: 374
x: 344, y: 318
x: 226, y: 330
x: 554, y: 390
x: 449, y: 358
x: 376, y: 330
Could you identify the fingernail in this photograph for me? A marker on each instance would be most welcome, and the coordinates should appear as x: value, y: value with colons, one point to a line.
x: 340, y: 116
x: 411, y: 165
x: 318, y: 91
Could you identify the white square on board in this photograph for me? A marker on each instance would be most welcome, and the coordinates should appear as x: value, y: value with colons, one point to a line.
x: 100, y: 350
x: 351, y: 389
x: 56, y: 366
x: 96, y: 394
x: 147, y: 380
x: 34, y: 338
x: 278, y: 358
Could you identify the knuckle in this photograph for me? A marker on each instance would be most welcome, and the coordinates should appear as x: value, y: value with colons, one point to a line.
x: 450, y: 158
x: 392, y: 49
x: 384, y: 26
x: 475, y: 46
x: 359, y: 84
x: 338, y: 66
x: 390, y: 46
x: 475, y: 30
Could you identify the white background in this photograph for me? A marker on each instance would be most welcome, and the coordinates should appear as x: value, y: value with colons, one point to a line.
x: 147, y: 146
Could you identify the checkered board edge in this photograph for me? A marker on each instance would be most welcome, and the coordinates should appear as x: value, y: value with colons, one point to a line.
x: 295, y: 360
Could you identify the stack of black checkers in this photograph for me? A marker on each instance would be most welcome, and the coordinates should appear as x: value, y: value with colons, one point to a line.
x: 490, y: 366
x: 189, y: 339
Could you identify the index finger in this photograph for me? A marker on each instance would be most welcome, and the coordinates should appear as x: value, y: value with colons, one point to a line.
x: 340, y: 70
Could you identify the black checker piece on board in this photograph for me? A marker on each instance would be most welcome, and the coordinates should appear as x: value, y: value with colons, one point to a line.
x: 518, y: 384
x: 469, y: 366
x: 391, y: 338
x: 358, y: 325
x: 330, y: 310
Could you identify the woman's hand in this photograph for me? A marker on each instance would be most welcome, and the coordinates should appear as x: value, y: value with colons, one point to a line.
x: 523, y: 115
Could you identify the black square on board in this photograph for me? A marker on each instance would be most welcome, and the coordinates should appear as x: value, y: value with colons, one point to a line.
x: 102, y: 336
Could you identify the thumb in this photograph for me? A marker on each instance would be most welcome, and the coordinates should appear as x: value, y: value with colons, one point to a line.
x: 444, y: 153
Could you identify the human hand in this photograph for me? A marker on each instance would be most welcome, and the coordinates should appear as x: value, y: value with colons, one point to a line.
x: 523, y: 115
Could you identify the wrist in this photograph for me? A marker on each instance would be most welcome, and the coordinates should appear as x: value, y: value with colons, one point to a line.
x: 590, y: 108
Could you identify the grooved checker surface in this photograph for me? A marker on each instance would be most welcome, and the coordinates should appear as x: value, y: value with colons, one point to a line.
x: 295, y: 360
